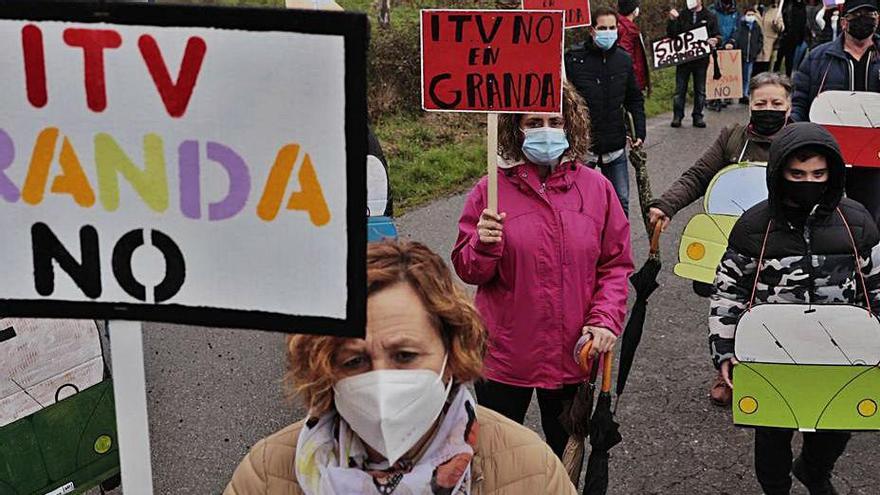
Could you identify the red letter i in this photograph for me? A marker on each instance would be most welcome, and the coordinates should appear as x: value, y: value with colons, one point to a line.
x: 34, y: 65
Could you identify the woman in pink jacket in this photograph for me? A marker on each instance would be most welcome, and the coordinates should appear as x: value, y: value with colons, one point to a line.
x: 552, y: 266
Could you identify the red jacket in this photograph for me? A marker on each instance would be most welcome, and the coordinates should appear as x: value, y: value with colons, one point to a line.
x: 629, y: 37
x: 564, y: 263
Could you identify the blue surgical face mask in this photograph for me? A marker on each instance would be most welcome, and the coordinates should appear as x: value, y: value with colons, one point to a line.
x: 605, y: 39
x: 544, y: 145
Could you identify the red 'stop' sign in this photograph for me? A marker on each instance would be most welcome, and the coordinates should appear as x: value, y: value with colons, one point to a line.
x: 492, y: 61
x: 577, y: 12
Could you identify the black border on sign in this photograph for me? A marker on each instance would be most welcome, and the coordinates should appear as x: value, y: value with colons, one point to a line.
x: 354, y: 28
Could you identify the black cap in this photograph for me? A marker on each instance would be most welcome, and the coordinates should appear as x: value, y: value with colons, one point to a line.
x: 853, y: 5
x: 626, y: 7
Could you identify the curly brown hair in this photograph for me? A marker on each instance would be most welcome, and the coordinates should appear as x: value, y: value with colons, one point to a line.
x: 312, y: 369
x: 577, y: 127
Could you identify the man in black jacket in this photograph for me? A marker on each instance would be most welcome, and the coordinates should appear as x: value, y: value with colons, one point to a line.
x: 849, y: 63
x: 694, y: 17
x: 805, y: 237
x: 603, y: 74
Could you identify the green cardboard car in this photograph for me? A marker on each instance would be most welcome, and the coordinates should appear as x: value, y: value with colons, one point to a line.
x: 57, y: 418
x: 807, y: 368
x: 732, y: 191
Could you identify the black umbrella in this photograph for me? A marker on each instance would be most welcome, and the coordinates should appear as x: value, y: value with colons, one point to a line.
x: 645, y: 283
x: 604, y: 434
x: 575, y: 418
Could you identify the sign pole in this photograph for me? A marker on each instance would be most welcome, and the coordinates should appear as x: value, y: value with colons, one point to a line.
x: 129, y: 389
x: 492, y: 160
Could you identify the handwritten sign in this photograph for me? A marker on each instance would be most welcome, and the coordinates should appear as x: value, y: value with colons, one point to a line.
x: 577, y: 12
x: 492, y: 61
x: 731, y: 83
x: 687, y: 46
x: 169, y: 165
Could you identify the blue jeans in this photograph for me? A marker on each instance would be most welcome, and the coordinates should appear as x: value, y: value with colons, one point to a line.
x: 617, y: 171
x: 747, y: 76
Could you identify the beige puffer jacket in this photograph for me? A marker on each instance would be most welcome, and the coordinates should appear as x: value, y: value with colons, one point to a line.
x: 509, y: 460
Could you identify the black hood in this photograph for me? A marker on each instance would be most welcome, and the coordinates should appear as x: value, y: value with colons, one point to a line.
x: 798, y: 135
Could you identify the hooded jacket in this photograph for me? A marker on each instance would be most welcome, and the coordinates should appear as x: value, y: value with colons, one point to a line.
x: 809, y: 261
x: 563, y: 263
x: 607, y: 81
x: 828, y: 67
x: 727, y: 18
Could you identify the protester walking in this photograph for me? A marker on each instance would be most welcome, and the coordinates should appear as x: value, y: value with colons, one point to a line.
x: 629, y: 38
x: 695, y: 16
x: 749, y: 39
x: 793, y: 42
x: 849, y: 63
x: 728, y: 21
x: 391, y: 413
x: 798, y: 246
x: 603, y: 75
x: 770, y: 106
x: 550, y: 266
x: 771, y: 28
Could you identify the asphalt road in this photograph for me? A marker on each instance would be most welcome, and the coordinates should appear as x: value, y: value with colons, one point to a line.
x: 213, y: 393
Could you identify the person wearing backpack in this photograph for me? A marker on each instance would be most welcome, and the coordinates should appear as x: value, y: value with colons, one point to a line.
x: 799, y: 246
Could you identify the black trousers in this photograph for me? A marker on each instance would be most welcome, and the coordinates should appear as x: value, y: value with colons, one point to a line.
x: 513, y: 402
x: 863, y: 185
x: 683, y: 73
x: 773, y: 457
x: 760, y: 67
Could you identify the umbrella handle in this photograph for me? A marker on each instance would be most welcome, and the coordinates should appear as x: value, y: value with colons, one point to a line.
x: 655, y: 238
x: 608, y: 363
x: 584, y: 356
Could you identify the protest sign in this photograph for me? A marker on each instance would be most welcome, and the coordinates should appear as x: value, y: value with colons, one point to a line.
x: 492, y: 61
x: 177, y: 165
x: 577, y: 12
x: 687, y: 46
x: 730, y: 85
x: 853, y: 117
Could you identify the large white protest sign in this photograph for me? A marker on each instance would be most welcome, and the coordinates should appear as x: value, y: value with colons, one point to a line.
x: 164, y: 164
x: 687, y: 46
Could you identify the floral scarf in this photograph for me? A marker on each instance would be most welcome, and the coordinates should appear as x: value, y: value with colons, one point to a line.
x: 332, y: 460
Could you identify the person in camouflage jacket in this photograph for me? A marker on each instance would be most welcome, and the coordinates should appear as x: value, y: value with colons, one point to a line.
x: 805, y: 234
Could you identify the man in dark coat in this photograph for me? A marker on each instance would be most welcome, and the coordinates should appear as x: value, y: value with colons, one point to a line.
x: 849, y: 63
x: 749, y: 39
x: 805, y: 235
x: 603, y: 74
x: 695, y: 16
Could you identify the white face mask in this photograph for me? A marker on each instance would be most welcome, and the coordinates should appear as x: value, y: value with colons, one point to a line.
x: 636, y: 12
x: 391, y: 410
x: 692, y: 4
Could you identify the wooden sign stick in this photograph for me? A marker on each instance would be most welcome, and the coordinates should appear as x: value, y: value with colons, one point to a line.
x: 492, y: 160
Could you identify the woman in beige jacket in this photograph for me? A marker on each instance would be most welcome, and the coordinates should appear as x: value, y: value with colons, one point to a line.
x: 771, y: 27
x: 390, y: 414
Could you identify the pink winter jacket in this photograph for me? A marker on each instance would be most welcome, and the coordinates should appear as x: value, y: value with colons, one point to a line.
x: 564, y: 263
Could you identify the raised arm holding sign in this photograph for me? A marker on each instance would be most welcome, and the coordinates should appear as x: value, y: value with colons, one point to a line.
x: 494, y: 61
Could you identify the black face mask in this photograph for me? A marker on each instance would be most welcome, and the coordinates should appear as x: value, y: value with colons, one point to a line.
x: 861, y: 27
x: 804, y: 195
x: 768, y: 122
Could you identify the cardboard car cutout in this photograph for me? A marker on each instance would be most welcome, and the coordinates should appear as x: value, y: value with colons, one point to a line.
x: 807, y: 367
x: 853, y: 117
x: 57, y: 419
x: 732, y: 191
